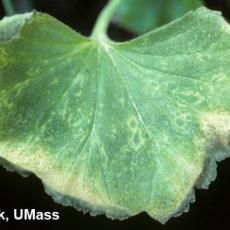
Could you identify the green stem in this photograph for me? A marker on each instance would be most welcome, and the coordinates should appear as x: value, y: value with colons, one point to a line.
x: 8, y: 7
x: 104, y: 19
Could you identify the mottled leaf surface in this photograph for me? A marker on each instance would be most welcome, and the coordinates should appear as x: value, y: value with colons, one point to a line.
x: 141, y: 16
x: 116, y: 128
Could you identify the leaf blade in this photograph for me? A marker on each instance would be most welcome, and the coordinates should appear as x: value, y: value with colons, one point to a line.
x: 108, y: 127
x: 143, y: 16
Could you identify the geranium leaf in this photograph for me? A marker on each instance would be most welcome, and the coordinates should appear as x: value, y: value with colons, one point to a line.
x: 141, y: 16
x: 116, y: 128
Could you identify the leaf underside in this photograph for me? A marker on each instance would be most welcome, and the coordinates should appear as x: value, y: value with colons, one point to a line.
x: 116, y: 128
